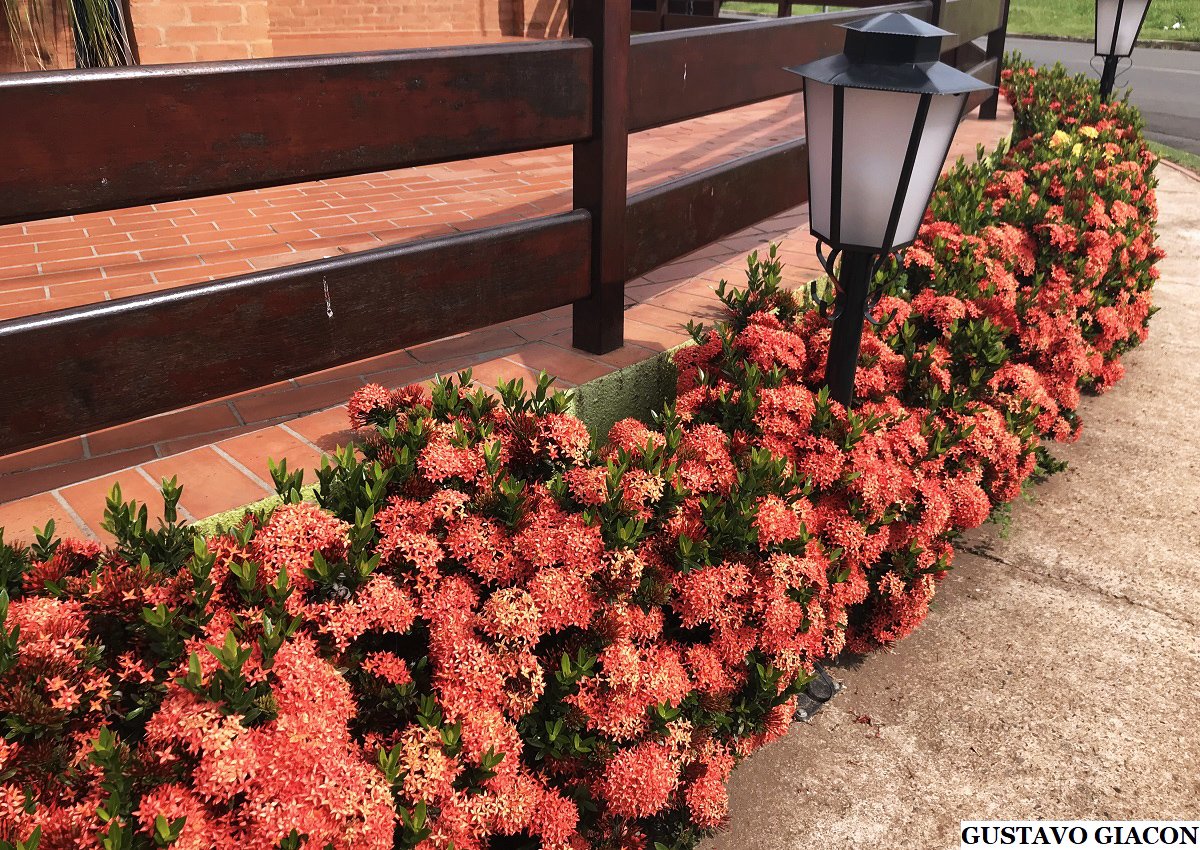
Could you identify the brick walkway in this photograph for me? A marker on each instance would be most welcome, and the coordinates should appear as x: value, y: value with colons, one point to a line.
x: 219, y: 449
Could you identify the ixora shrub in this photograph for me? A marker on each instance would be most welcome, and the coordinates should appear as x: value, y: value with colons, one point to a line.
x: 491, y: 631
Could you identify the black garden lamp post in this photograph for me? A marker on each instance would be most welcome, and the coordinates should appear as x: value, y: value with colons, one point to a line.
x: 1118, y: 23
x: 879, y: 118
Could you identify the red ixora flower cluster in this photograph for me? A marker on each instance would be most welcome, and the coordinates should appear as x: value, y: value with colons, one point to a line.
x: 490, y: 632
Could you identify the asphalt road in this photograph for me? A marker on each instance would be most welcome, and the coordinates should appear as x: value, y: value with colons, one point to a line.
x: 1165, y: 83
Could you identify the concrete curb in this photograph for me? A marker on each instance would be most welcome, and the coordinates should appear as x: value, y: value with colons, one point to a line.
x: 633, y: 392
x: 1161, y: 44
x: 1182, y: 169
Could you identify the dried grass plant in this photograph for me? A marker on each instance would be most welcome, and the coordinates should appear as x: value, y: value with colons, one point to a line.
x: 49, y: 34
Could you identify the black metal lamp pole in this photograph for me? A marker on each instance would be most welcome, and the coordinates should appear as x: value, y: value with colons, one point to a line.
x: 879, y: 119
x: 1118, y: 23
x: 1109, y: 77
x: 840, y: 368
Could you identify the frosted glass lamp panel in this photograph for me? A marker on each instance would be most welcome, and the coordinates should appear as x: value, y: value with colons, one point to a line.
x: 878, y: 125
x: 1127, y: 25
x: 940, y: 125
x: 818, y: 122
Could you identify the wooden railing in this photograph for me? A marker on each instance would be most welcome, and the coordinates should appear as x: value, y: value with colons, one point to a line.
x: 662, y: 15
x: 106, y: 139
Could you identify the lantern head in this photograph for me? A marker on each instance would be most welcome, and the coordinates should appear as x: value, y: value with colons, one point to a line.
x: 1118, y: 23
x: 879, y: 118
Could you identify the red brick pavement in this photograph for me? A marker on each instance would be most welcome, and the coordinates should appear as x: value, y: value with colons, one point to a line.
x: 219, y: 449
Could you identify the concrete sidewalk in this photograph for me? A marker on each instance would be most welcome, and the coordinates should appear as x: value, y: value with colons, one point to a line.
x: 1057, y: 676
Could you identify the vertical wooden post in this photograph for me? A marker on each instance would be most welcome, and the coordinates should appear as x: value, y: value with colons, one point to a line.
x: 937, y: 15
x: 995, y: 50
x: 785, y: 9
x: 600, y: 173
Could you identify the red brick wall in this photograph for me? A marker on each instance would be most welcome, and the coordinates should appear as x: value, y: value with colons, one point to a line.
x: 543, y: 18
x: 341, y: 16
x: 200, y: 30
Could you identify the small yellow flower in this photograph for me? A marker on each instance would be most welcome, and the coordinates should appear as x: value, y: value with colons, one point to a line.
x: 1077, y: 150
x: 1090, y: 132
x: 1059, y: 138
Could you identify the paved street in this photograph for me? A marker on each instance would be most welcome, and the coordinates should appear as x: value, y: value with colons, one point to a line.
x: 1165, y: 83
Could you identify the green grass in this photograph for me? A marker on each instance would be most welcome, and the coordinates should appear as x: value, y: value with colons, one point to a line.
x: 772, y: 8
x: 1078, y: 18
x: 1184, y: 158
x: 1050, y: 17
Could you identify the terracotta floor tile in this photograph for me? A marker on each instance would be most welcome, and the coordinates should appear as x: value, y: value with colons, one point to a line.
x: 626, y: 355
x: 641, y: 290
x: 663, y: 317
x: 32, y: 308
x: 18, y: 519
x: 492, y: 372
x: 60, y: 452
x: 699, y: 307
x: 541, y: 328
x: 25, y: 293
x: 252, y: 451
x: 194, y: 420
x: 199, y: 272
x: 296, y: 400
x: 17, y: 485
x: 193, y: 441
x: 211, y: 484
x: 568, y: 366
x: 473, y: 342
x: 141, y: 289
x: 94, y: 286
x: 327, y: 429
x: 746, y: 244
x: 382, y: 363
x: 278, y: 386
x: 680, y: 270
x: 19, y: 262
x: 334, y: 242
x: 89, y: 498
x: 653, y: 338
x: 421, y: 372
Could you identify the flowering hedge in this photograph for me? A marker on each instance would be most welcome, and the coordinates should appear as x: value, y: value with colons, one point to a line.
x: 492, y: 632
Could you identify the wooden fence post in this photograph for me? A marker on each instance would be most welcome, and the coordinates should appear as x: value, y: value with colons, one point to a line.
x: 995, y: 50
x: 936, y: 15
x: 600, y: 174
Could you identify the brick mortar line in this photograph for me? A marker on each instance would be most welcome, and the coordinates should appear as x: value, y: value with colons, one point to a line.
x: 241, y: 467
x: 74, y: 515
x: 283, y: 426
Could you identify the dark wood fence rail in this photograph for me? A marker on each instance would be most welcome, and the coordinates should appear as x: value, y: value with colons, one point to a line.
x: 97, y: 140
x: 106, y: 139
